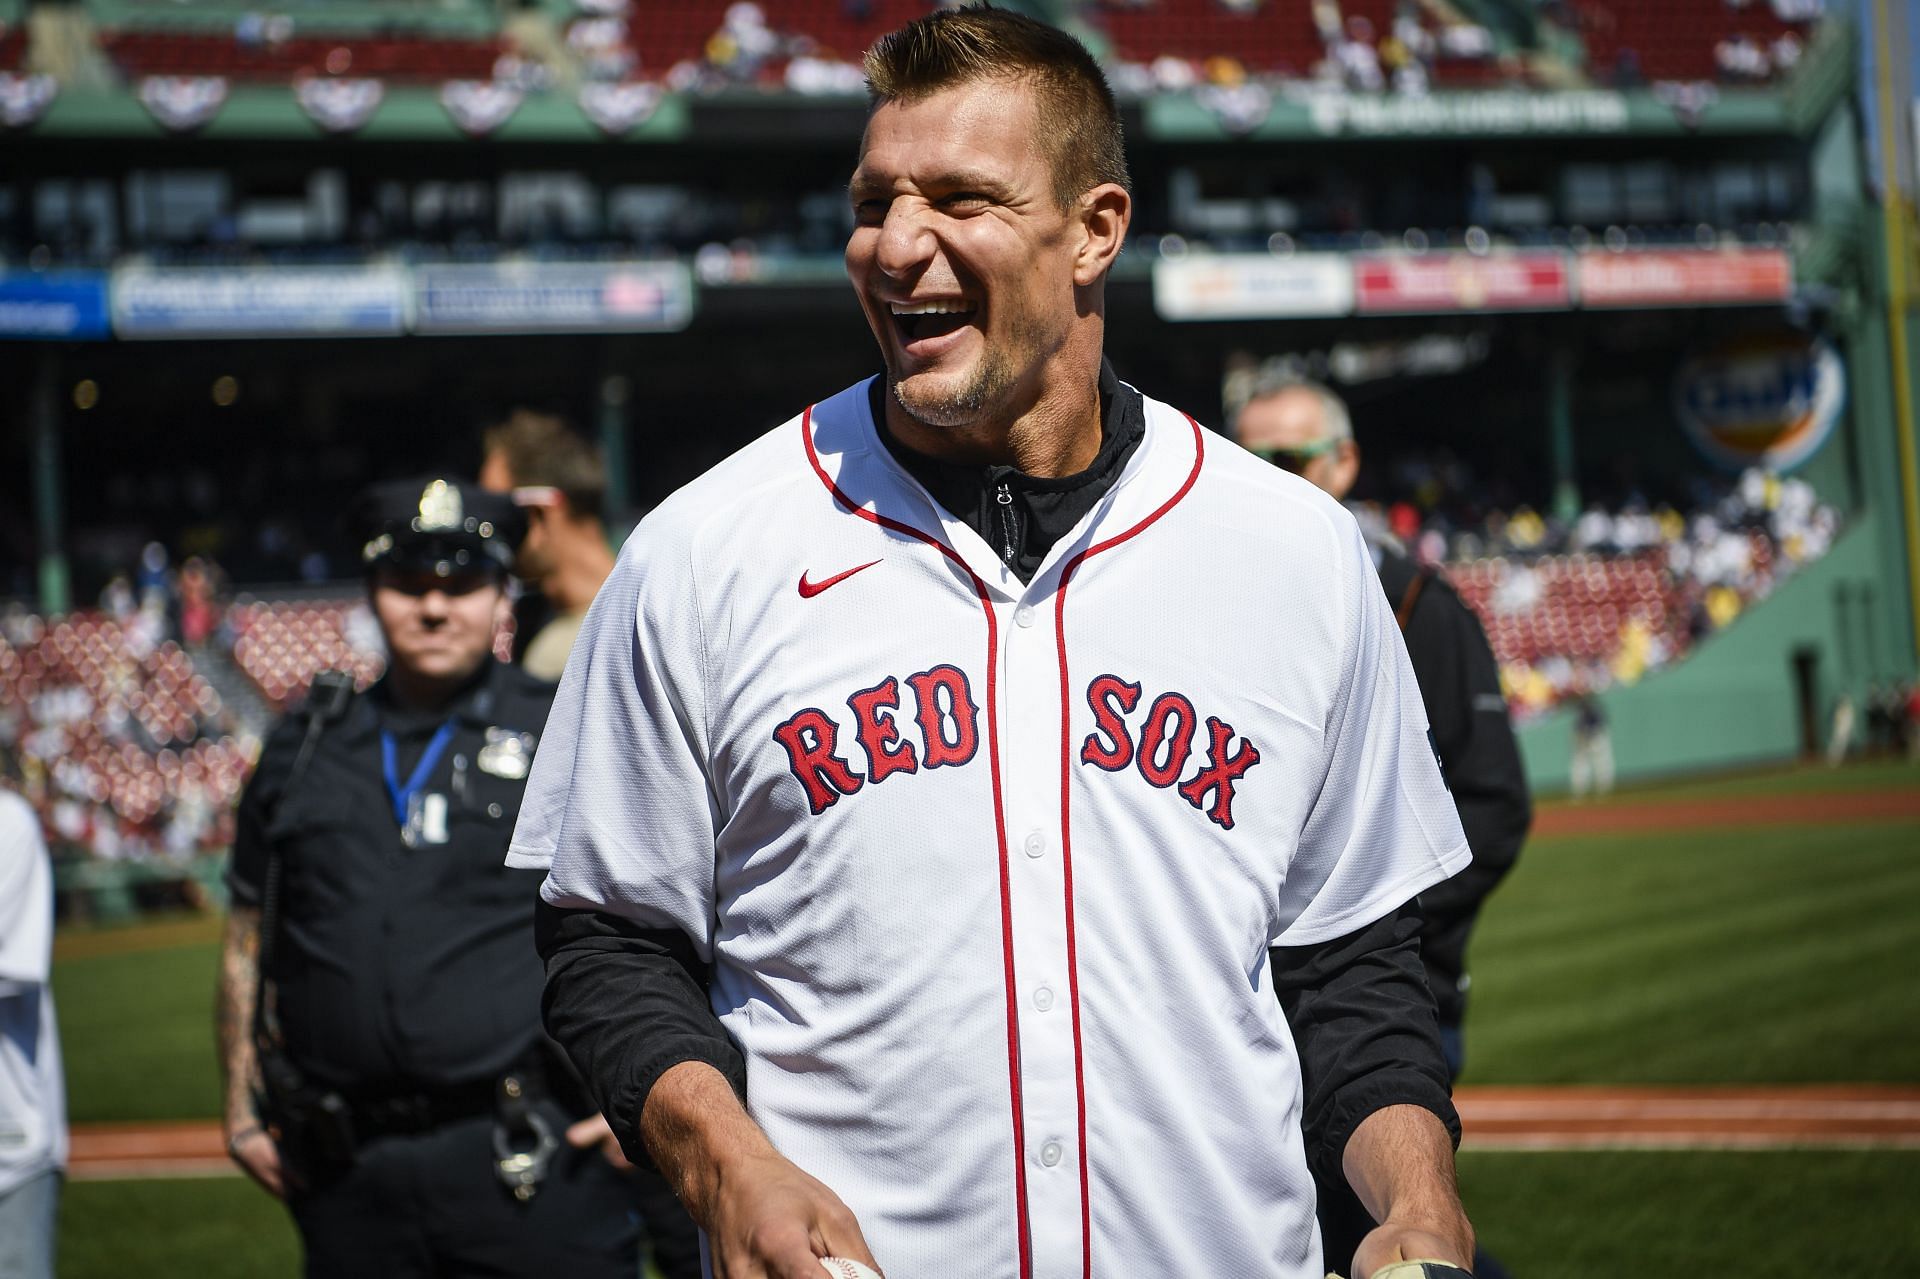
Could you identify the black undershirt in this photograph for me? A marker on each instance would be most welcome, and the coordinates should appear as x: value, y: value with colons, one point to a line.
x: 629, y: 1003
x: 1021, y: 516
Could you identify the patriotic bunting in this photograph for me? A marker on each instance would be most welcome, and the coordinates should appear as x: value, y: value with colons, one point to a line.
x: 618, y: 107
x: 338, y: 105
x: 183, y: 102
x: 479, y: 106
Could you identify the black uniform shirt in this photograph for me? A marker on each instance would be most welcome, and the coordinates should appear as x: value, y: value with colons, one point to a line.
x: 400, y: 967
x: 1460, y: 687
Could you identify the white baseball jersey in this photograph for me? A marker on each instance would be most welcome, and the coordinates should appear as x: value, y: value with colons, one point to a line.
x: 988, y: 871
x: 33, y: 1109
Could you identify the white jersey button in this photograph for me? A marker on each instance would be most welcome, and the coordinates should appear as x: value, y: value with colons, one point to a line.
x: 1050, y: 1154
x: 1035, y: 844
x: 1043, y: 998
x: 1023, y: 616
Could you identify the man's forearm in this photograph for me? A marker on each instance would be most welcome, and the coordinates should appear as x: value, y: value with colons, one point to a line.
x: 697, y: 1132
x: 235, y: 1000
x: 1400, y: 1163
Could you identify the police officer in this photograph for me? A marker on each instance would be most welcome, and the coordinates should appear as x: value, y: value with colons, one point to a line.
x: 1305, y: 428
x: 379, y: 1003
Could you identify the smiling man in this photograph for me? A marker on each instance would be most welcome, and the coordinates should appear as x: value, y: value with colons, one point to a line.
x: 934, y: 805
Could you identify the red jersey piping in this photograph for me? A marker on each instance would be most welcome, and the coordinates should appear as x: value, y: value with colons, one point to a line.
x: 999, y: 822
x: 1066, y: 823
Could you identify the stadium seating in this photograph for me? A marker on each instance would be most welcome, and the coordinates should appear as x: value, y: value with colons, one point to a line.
x: 1672, y: 39
x: 1277, y: 38
x: 1662, y: 39
x: 130, y: 729
x: 391, y: 57
x: 664, y: 34
x: 13, y: 45
x: 1578, y: 604
x: 282, y: 646
x: 123, y: 744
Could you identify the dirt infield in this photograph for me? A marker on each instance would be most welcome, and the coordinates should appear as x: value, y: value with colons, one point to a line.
x: 1573, y: 1118
x: 1568, y: 1118
x: 1615, y: 817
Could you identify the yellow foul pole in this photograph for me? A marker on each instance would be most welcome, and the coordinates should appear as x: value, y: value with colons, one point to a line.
x: 1894, y: 216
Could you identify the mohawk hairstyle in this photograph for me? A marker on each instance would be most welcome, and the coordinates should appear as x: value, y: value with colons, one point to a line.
x: 1079, y: 125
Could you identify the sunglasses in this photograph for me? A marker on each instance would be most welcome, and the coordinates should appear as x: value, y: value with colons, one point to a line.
x: 535, y: 495
x: 1296, y: 459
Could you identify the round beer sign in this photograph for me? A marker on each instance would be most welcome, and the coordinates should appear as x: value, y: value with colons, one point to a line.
x: 1762, y: 400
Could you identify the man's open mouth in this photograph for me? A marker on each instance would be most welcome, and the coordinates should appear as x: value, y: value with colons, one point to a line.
x: 917, y: 321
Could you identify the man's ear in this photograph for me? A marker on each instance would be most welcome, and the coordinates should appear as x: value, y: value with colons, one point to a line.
x: 1105, y: 213
x: 1346, y: 465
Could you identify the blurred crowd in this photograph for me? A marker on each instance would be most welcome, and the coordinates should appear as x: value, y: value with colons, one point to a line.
x: 1419, y: 45
x: 1576, y: 606
x: 110, y: 725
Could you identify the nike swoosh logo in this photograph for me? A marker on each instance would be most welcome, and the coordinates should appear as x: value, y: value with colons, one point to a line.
x: 810, y: 589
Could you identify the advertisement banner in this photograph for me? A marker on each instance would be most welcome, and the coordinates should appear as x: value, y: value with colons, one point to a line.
x: 242, y: 302
x: 552, y: 297
x: 1761, y: 400
x: 1252, y: 286
x: 1337, y: 114
x: 1439, y: 282
x: 57, y: 304
x: 1684, y: 277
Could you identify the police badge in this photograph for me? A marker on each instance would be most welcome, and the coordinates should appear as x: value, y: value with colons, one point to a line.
x: 440, y: 508
x: 507, y: 754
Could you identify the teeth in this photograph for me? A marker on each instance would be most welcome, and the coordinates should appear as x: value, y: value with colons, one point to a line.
x: 931, y: 308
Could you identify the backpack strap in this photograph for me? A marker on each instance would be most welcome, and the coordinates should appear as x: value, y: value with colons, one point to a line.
x: 1411, y: 597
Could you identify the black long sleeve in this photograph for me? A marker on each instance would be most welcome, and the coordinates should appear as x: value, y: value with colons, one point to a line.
x: 1363, y: 1023
x: 627, y: 1004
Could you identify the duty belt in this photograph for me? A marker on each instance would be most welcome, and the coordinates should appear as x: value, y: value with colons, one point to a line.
x: 387, y: 1114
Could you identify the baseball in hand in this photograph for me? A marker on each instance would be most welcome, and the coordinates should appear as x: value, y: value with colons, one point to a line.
x: 841, y: 1268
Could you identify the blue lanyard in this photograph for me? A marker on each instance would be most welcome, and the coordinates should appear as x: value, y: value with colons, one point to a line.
x: 402, y: 796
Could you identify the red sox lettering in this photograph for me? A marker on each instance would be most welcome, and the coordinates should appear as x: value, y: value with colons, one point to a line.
x: 1165, y: 745
x: 949, y: 735
x: 944, y: 709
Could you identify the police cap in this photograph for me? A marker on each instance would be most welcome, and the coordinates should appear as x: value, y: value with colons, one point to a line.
x: 438, y: 524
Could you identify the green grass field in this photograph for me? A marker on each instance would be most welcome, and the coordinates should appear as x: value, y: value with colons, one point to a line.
x: 1775, y: 955
x: 1765, y: 956
x: 136, y: 1021
x: 191, y: 1228
x: 1777, y: 1214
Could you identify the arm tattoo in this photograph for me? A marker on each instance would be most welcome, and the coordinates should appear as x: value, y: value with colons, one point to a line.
x: 234, y: 1012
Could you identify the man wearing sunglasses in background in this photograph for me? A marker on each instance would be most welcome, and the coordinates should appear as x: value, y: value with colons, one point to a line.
x: 560, y: 483
x: 1304, y: 428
